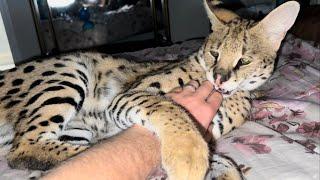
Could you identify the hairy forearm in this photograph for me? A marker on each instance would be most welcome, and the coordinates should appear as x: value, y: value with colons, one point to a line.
x: 132, y: 154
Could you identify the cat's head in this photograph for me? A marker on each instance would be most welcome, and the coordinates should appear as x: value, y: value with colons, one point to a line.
x: 241, y: 51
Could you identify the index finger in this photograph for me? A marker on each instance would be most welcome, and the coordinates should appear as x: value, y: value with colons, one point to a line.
x: 215, y: 100
x: 204, y: 90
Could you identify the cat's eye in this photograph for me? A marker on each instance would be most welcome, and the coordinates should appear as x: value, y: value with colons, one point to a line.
x: 214, y: 54
x: 244, y: 61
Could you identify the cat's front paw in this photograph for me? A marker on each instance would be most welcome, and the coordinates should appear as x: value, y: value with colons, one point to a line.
x: 185, y: 157
x: 223, y: 168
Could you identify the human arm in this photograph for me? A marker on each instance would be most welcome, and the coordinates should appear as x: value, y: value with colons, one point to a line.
x: 132, y: 154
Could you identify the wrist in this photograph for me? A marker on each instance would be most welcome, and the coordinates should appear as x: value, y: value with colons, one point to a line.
x: 145, y: 150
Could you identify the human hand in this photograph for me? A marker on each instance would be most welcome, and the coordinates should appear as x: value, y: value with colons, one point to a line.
x: 198, y: 100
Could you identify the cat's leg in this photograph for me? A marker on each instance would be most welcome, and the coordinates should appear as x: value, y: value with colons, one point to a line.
x: 184, y: 152
x: 233, y: 112
x: 223, y: 168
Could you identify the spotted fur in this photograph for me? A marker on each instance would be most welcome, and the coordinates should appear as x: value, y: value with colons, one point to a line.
x: 53, y: 109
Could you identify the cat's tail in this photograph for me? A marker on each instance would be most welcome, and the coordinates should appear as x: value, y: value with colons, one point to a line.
x: 223, y: 168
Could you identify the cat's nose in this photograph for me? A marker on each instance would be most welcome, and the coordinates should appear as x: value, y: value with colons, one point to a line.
x: 225, y: 75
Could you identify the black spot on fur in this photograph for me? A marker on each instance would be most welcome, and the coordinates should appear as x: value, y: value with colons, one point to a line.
x: 13, y: 69
x: 183, y: 69
x: 52, y: 81
x: 59, y: 65
x: 54, y: 88
x: 28, y: 69
x: 142, y: 102
x: 1, y: 84
x: 221, y: 127
x: 252, y: 82
x: 82, y: 64
x: 181, y: 83
x: 17, y: 82
x: 78, y: 89
x: 33, y: 99
x: 61, y: 100
x: 230, y: 120
x: 264, y: 78
x: 5, y: 98
x: 12, y: 103
x: 13, y: 91
x: 23, y: 95
x: 23, y: 113
x: 83, y: 75
x: 48, y: 73
x: 121, y: 68
x: 57, y: 119
x: 44, y: 123
x: 31, y: 128
x: 69, y: 75
x: 1, y: 77
x: 156, y: 85
x: 34, y: 118
x: 219, y: 114
x: 67, y: 59
x: 99, y: 76
x: 197, y: 59
x: 35, y: 84
x: 72, y: 138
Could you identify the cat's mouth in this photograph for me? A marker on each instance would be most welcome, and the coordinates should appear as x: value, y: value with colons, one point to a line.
x: 217, y: 86
x: 226, y: 92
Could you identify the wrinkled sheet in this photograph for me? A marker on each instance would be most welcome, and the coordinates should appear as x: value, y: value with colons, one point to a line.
x: 281, y: 139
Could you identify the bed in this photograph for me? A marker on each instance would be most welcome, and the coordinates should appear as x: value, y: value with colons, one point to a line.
x: 281, y: 139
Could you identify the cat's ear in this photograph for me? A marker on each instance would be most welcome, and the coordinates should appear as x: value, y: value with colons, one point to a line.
x: 209, y: 5
x: 276, y: 24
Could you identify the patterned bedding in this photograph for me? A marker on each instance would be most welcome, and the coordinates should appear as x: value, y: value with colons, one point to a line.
x: 282, y: 138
